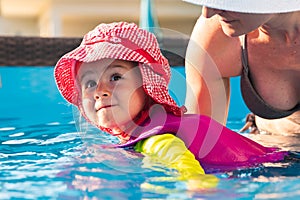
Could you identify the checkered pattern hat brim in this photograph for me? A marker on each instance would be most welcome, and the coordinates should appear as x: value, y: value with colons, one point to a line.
x: 123, y: 41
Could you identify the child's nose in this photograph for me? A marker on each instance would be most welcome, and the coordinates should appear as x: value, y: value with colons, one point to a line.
x: 209, y: 12
x: 101, y: 91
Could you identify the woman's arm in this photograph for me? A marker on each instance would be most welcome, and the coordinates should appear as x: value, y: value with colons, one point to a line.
x: 211, y: 59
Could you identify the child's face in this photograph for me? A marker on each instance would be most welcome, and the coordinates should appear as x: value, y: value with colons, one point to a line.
x: 112, y: 92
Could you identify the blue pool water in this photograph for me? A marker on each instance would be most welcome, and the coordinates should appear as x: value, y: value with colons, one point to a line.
x: 43, y: 156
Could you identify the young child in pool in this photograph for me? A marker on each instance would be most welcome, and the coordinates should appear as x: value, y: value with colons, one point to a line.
x: 118, y: 79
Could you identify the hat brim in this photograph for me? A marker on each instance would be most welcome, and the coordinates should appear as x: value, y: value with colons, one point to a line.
x: 157, y: 88
x: 253, y: 6
x: 64, y: 71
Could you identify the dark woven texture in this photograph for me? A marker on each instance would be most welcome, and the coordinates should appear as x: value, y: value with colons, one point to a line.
x: 39, y: 51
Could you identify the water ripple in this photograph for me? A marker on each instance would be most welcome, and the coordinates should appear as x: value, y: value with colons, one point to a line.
x: 17, y: 134
x: 7, y: 128
x: 21, y: 141
x: 62, y: 138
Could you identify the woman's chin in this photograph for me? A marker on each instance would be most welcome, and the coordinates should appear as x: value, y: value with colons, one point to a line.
x: 231, y: 32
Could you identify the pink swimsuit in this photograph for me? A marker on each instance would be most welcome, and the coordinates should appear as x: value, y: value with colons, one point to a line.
x: 216, y: 147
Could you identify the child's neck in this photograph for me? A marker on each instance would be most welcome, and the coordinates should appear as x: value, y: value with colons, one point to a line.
x: 124, y: 134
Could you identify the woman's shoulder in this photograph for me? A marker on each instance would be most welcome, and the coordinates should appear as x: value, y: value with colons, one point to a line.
x: 224, y: 50
x: 210, y: 30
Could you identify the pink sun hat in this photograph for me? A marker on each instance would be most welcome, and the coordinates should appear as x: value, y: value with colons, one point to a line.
x: 122, y: 41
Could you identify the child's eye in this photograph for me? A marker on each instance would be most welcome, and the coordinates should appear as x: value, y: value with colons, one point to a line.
x: 90, y: 84
x: 115, y: 77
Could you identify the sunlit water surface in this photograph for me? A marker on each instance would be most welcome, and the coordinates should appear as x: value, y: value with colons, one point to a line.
x: 43, y: 156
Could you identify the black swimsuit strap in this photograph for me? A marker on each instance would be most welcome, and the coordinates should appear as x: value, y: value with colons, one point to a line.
x: 244, y: 53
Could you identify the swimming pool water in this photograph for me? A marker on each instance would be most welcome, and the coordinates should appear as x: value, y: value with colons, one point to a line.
x: 43, y: 156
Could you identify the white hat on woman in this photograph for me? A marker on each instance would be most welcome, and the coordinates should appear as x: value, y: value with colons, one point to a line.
x: 251, y: 6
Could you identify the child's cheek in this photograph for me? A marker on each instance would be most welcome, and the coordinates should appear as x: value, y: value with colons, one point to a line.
x: 89, y: 108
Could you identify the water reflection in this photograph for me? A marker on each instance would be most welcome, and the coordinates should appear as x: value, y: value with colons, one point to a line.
x: 42, y: 156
